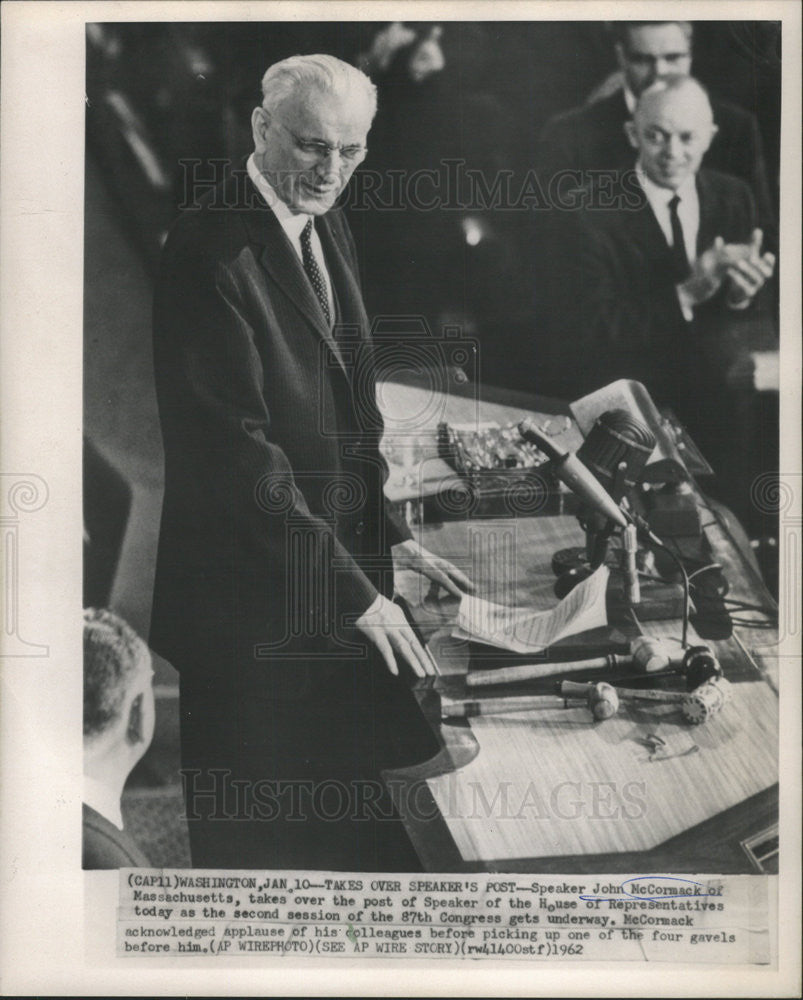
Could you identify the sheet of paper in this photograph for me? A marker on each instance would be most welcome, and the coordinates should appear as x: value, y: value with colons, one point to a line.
x: 523, y: 631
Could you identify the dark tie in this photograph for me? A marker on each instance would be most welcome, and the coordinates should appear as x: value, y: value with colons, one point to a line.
x: 313, y: 271
x: 680, y: 261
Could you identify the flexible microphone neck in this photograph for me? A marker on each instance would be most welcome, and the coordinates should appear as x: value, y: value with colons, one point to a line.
x: 571, y: 471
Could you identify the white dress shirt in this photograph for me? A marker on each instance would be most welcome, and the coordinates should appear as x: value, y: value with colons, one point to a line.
x: 292, y: 223
x: 688, y: 214
x: 688, y: 209
x: 100, y: 798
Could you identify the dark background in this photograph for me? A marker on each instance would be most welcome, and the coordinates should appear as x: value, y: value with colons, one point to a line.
x: 159, y: 94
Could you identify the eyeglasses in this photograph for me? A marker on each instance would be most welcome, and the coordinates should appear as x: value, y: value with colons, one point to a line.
x: 323, y: 150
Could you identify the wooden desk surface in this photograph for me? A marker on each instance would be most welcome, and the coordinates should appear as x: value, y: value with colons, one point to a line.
x: 552, y: 791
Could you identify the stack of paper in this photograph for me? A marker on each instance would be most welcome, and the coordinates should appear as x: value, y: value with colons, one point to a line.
x: 521, y: 630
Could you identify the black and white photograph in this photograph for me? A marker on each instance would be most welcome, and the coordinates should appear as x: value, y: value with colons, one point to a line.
x: 432, y: 522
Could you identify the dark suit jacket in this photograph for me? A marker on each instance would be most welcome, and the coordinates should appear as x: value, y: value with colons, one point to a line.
x: 273, y: 527
x: 592, y: 137
x: 104, y: 846
x: 607, y: 295
x: 271, y: 435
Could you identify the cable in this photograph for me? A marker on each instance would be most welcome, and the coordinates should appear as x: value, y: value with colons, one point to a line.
x: 704, y: 569
x: 747, y: 623
x: 746, y: 606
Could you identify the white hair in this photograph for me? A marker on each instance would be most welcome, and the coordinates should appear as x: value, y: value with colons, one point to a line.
x: 325, y: 73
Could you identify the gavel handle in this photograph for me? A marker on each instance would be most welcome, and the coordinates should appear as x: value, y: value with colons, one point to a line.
x: 573, y: 689
x: 467, y: 708
x: 537, y: 671
x: 651, y: 694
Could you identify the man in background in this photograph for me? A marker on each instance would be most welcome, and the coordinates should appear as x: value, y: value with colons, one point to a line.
x: 660, y: 279
x: 593, y: 137
x: 118, y: 729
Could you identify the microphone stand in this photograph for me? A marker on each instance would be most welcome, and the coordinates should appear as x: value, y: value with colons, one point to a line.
x: 604, y: 515
x: 659, y: 600
x: 598, y: 530
x: 648, y: 598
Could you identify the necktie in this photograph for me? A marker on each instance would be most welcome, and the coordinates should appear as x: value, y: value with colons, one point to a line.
x: 313, y: 271
x: 680, y: 261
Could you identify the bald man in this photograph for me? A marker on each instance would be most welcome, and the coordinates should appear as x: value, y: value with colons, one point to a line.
x: 659, y: 277
x: 672, y: 129
x: 593, y: 136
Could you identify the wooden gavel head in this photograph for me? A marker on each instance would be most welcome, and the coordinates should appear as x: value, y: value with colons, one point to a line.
x: 651, y: 655
x: 603, y: 701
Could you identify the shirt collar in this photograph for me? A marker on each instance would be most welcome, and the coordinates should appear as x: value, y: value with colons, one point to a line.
x: 630, y: 99
x: 661, y: 195
x: 103, y: 801
x: 291, y: 222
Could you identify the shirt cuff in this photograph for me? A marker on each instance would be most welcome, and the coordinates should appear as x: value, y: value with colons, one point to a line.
x: 685, y: 304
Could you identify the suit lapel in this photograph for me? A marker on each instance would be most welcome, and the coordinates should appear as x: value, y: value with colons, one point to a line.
x: 351, y: 310
x: 281, y: 262
x: 710, y: 213
x: 646, y: 231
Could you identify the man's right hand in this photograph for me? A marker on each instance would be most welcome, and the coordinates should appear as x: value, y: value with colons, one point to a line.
x: 709, y: 270
x: 385, y: 625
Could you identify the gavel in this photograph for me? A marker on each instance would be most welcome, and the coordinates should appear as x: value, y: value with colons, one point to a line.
x: 600, y: 699
x: 697, y: 706
x: 649, y: 656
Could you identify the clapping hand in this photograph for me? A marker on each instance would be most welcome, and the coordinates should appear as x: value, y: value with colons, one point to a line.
x: 749, y: 272
x: 742, y: 264
x: 707, y: 273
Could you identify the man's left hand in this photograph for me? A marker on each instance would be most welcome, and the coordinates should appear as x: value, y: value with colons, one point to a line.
x: 749, y: 274
x: 411, y: 555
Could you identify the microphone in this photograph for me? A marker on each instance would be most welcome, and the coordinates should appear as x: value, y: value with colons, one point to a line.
x: 616, y: 450
x: 571, y: 471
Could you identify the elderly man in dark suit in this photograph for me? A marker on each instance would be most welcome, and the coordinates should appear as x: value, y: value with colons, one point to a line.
x: 659, y: 276
x: 593, y: 137
x: 274, y: 572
